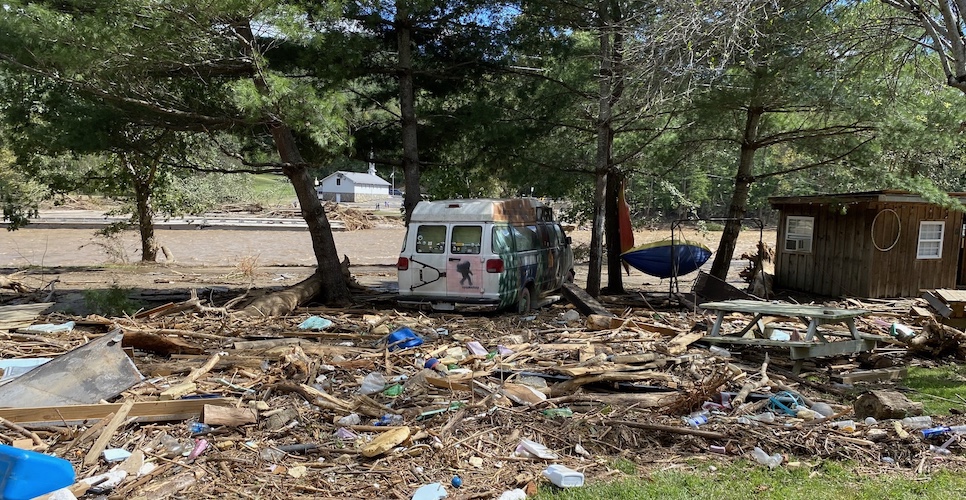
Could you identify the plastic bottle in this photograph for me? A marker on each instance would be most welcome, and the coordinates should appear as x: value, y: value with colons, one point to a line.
x: 767, y: 417
x: 870, y: 421
x: 564, y: 477
x: 920, y: 422
x: 844, y: 425
x: 373, y: 383
x: 557, y: 412
x: 822, y: 409
x: 171, y: 447
x: 939, y: 450
x: 939, y: 431
x: 763, y: 458
x: 198, y: 428
x: 697, y: 418
x: 721, y: 352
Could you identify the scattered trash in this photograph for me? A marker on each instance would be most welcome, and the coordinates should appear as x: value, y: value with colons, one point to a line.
x: 26, y: 474
x: 528, y: 448
x: 433, y: 491
x: 456, y: 482
x: 99, y: 370
x: 315, y: 323
x: 563, y: 476
x: 115, y: 454
x: 13, y: 368
x: 920, y: 422
x: 50, y: 328
x: 403, y: 338
x: 698, y: 418
x: 721, y: 352
x: 372, y: 383
x: 515, y: 494
x: 763, y: 458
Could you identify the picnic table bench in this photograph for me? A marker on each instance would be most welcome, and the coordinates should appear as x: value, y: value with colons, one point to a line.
x: 814, y: 344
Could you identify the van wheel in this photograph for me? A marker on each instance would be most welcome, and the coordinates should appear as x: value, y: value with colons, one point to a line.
x: 523, y: 301
x: 571, y: 276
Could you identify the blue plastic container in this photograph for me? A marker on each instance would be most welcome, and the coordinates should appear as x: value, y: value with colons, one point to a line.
x: 403, y: 338
x: 28, y: 474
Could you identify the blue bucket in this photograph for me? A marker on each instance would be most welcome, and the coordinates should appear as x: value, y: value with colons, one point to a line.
x: 27, y: 474
x: 403, y: 338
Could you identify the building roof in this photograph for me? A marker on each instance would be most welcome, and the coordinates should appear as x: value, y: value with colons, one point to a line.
x: 360, y: 178
x: 885, y: 195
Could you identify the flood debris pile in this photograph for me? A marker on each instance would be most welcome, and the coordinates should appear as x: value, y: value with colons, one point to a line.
x: 195, y: 403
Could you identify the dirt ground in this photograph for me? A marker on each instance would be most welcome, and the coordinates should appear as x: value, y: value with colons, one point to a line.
x: 227, y: 261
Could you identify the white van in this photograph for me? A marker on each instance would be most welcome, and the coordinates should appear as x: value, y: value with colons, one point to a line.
x: 483, y: 254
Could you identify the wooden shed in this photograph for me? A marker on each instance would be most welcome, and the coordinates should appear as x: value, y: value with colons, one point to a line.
x: 874, y: 244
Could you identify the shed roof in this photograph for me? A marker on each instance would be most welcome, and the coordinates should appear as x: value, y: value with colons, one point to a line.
x: 360, y: 178
x: 885, y: 195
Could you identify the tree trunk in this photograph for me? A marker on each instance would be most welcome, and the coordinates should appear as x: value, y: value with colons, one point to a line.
x: 331, y: 288
x: 604, y: 143
x: 149, y: 245
x: 334, y: 290
x: 615, y: 283
x: 285, y: 301
x: 407, y: 108
x: 739, y: 198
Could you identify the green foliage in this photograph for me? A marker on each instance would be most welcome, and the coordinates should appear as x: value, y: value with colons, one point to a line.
x: 938, y: 389
x: 738, y: 481
x: 19, y: 196
x: 111, y: 302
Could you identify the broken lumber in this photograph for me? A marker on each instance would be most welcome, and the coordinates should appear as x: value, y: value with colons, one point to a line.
x: 668, y: 428
x: 145, y: 411
x: 582, y: 300
x: 101, y: 443
x: 227, y: 415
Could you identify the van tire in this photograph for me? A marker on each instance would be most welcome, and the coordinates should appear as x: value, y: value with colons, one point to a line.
x: 571, y: 276
x: 523, y: 301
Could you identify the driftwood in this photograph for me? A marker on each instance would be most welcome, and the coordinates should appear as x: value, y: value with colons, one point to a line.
x: 13, y: 284
x: 938, y: 341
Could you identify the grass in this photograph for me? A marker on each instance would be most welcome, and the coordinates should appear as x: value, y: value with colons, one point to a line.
x: 742, y: 480
x: 938, y: 389
x: 272, y: 189
x: 111, y: 302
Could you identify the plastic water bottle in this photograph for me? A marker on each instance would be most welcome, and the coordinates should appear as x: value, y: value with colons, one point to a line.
x: 697, y: 418
x: 920, y: 422
x: 720, y: 351
x: 198, y: 428
x: 763, y: 458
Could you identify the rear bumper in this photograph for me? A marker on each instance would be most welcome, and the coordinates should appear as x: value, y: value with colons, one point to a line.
x: 450, y: 303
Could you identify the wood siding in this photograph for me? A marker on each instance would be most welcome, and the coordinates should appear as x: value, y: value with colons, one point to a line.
x: 846, y: 262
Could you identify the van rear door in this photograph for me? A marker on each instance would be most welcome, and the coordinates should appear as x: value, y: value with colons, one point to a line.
x: 464, y: 264
x: 427, y: 262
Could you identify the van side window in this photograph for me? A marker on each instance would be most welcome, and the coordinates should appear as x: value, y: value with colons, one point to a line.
x: 526, y: 238
x: 502, y: 240
x: 431, y: 239
x: 466, y: 239
x: 561, y: 237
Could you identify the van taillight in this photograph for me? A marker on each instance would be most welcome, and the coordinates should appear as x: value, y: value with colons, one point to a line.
x: 402, y: 264
x: 494, y: 266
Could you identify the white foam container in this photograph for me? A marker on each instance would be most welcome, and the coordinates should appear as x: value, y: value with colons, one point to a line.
x: 564, y: 477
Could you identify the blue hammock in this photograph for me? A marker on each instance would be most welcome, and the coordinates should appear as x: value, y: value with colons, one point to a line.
x: 655, y: 259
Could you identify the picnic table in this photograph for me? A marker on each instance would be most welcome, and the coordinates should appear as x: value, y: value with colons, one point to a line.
x: 815, y: 343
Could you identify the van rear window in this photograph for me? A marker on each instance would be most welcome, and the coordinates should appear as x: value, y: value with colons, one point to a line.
x: 431, y: 239
x: 466, y: 239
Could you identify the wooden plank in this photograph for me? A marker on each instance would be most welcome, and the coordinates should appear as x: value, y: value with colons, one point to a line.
x: 145, y: 411
x: 108, y: 433
x: 872, y: 375
x: 227, y: 415
x: 937, y: 304
x: 586, y: 304
x: 679, y: 344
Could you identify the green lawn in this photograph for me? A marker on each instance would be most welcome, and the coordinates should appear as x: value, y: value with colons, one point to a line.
x: 743, y: 480
x: 939, y: 389
x: 270, y: 189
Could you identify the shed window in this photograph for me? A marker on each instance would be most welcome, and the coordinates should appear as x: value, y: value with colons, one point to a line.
x: 798, y: 234
x: 930, y: 240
